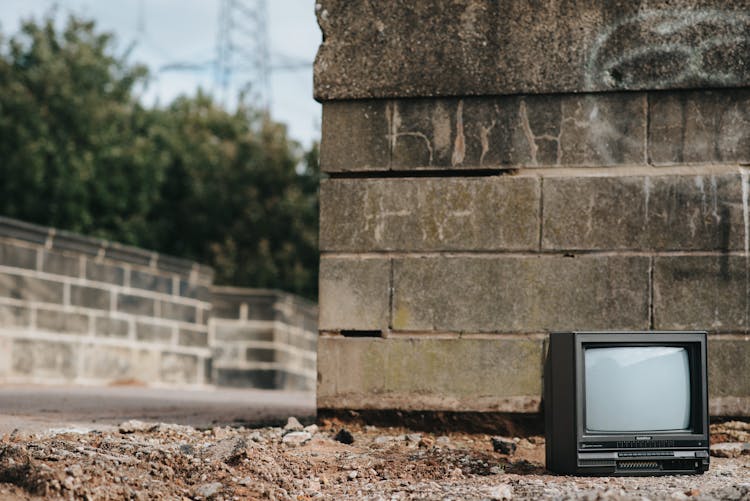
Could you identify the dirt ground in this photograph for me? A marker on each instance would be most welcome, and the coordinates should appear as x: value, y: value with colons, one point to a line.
x: 142, y: 461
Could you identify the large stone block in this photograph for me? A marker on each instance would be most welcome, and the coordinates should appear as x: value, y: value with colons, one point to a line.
x: 90, y: 297
x: 60, y: 321
x: 17, y: 256
x: 729, y: 368
x: 520, y: 294
x: 135, y: 305
x: 102, y: 272
x: 44, y: 359
x: 702, y: 292
x: 469, y: 374
x: 354, y: 293
x: 14, y: 316
x: 111, y: 327
x: 497, y: 213
x: 355, y: 136
x: 153, y: 333
x: 499, y: 132
x: 151, y: 281
x: 30, y: 289
x: 236, y: 331
x: 61, y: 264
x: 176, y: 311
x: 180, y: 368
x: 490, y: 47
x: 192, y: 337
x: 108, y: 363
x: 672, y: 212
x: 699, y: 127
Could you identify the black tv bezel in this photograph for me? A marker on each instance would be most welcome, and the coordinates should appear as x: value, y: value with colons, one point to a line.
x: 695, y: 436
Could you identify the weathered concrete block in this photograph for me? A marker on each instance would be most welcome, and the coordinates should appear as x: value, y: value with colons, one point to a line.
x: 60, y: 264
x: 194, y: 291
x: 17, y: 256
x: 497, y: 213
x: 702, y: 292
x: 495, y: 132
x: 238, y: 332
x: 14, y: 316
x: 520, y: 294
x: 729, y: 368
x: 260, y: 355
x: 44, y: 359
x: 699, y: 127
x: 30, y: 288
x: 59, y: 321
x: 488, y: 47
x: 176, y: 311
x: 696, y: 212
x: 354, y: 293
x: 180, y: 368
x: 150, y: 281
x: 190, y: 337
x: 355, y: 136
x: 111, y: 327
x: 135, y: 305
x: 102, y: 272
x: 108, y: 363
x: 153, y: 333
x: 428, y: 373
x: 90, y: 297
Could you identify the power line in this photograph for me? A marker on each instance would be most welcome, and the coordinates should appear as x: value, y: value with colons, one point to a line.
x: 242, y: 48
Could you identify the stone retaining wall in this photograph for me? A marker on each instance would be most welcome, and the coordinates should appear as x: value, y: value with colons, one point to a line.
x: 263, y: 339
x: 86, y: 311
x: 526, y: 167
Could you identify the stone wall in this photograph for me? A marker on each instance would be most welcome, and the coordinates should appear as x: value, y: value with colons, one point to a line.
x: 263, y: 339
x: 501, y: 169
x: 84, y: 310
x: 81, y: 310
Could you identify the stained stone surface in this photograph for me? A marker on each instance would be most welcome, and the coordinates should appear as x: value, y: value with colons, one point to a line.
x: 498, y: 213
x: 430, y: 373
x: 489, y: 47
x: 520, y: 294
x: 484, y: 132
x: 659, y: 212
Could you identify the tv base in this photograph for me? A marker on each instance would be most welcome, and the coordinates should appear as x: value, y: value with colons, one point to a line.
x: 643, y: 463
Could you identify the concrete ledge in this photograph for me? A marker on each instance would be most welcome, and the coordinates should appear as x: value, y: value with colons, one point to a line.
x: 499, y: 375
x: 490, y: 47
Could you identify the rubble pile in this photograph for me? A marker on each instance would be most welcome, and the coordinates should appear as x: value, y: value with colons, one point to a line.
x: 142, y: 461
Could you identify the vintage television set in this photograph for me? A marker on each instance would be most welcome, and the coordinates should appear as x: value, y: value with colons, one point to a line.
x: 626, y: 403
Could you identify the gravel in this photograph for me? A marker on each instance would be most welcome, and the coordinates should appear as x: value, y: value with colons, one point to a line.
x: 158, y: 460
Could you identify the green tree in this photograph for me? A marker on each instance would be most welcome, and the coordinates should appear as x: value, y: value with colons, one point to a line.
x: 79, y: 152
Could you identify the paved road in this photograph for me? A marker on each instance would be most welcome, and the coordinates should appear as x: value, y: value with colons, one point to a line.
x: 36, y: 408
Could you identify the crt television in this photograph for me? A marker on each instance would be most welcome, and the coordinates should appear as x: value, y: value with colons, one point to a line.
x: 626, y: 403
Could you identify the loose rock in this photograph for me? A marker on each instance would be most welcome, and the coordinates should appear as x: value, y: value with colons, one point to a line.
x: 292, y: 424
x: 503, y: 445
x: 344, y: 437
x: 296, y: 438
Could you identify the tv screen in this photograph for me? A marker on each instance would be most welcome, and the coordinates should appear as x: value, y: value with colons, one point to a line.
x: 636, y: 388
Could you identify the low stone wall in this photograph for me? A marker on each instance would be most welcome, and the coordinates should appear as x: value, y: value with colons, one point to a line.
x: 82, y: 310
x: 263, y: 339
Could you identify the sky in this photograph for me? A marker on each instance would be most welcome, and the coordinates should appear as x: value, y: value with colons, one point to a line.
x: 165, y: 32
